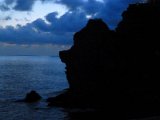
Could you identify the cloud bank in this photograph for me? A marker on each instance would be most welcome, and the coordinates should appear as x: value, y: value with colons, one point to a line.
x: 59, y: 30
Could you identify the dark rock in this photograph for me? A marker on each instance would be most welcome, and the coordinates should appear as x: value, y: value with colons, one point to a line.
x: 118, y: 69
x: 86, y: 57
x: 32, y: 96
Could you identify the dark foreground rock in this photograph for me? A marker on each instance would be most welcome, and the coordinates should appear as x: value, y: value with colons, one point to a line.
x: 116, y: 71
x: 31, y: 97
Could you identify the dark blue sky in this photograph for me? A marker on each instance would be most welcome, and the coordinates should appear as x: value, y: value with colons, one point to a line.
x: 54, y: 21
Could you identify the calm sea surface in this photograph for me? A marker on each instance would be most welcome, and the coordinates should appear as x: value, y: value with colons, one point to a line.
x: 21, y: 74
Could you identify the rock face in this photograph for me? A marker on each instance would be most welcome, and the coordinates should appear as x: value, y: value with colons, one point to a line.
x: 86, y: 61
x: 140, y: 45
x: 114, y: 69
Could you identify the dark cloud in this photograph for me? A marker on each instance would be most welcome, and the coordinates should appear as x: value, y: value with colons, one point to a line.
x: 112, y: 10
x: 24, y: 5
x: 93, y: 7
x: 29, y: 34
x: 72, y: 4
x: 109, y: 10
x: 20, y: 5
x: 8, y: 2
x: 90, y: 6
x: 52, y: 17
x: 41, y: 25
x: 69, y: 22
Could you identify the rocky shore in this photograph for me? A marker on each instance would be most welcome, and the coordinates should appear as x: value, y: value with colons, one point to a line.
x: 116, y: 71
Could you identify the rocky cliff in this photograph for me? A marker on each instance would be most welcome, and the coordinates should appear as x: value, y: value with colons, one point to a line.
x: 118, y: 68
x: 86, y: 61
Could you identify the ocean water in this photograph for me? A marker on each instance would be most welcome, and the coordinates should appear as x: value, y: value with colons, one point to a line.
x: 21, y: 74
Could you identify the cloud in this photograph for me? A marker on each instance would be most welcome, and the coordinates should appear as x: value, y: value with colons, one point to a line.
x: 24, y: 5
x: 69, y: 22
x: 19, y: 5
x: 72, y: 4
x: 109, y: 10
x: 30, y: 35
x: 41, y: 25
x: 8, y: 2
x: 7, y: 18
x: 52, y: 30
x: 4, y: 8
x: 60, y: 30
x: 90, y: 6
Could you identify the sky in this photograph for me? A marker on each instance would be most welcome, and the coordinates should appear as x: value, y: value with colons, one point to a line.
x: 44, y: 27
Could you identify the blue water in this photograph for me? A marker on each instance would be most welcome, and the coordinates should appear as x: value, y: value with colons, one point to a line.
x: 21, y: 74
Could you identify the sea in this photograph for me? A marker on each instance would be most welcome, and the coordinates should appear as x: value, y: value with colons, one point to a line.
x: 44, y: 74
x: 21, y: 74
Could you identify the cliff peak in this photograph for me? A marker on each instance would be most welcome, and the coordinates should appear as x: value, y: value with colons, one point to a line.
x: 96, y: 25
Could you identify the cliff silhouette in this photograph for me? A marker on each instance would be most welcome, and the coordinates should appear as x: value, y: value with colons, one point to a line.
x: 114, y: 70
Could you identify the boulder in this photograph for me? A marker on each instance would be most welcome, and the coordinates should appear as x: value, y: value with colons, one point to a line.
x: 32, y: 96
